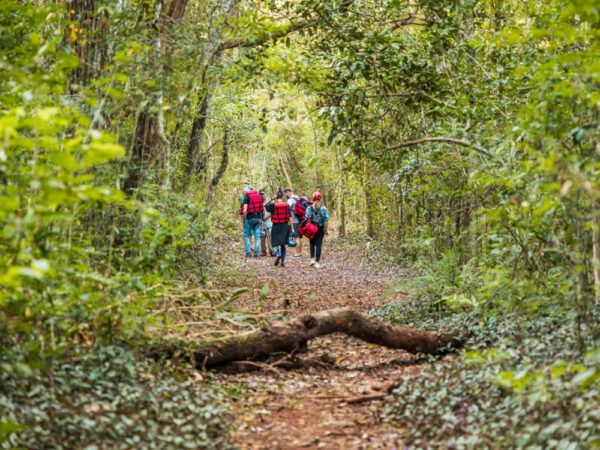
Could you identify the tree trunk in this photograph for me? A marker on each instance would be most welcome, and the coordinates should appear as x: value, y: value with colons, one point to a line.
x: 341, y: 195
x: 293, y: 336
x: 86, y: 37
x: 150, y: 131
x: 224, y: 162
x: 196, y: 162
x: 285, y: 173
x: 596, y: 248
x: 174, y: 11
x: 368, y: 198
x: 145, y: 139
x: 315, y: 148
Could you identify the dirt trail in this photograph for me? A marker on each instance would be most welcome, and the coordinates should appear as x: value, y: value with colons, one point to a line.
x: 308, y: 408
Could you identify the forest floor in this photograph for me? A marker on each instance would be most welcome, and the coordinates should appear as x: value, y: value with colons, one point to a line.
x: 316, y: 407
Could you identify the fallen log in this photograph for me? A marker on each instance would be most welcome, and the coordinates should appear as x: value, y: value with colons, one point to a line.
x: 292, y: 336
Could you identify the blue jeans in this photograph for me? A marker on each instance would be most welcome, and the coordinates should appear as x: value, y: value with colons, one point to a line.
x: 252, y: 228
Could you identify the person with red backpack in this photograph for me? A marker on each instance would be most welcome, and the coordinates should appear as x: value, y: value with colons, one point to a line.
x: 317, y: 216
x: 298, y: 205
x: 281, y: 217
x: 252, y: 211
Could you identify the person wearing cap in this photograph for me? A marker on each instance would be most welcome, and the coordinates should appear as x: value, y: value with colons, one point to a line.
x: 318, y: 215
x: 252, y: 211
x: 267, y: 225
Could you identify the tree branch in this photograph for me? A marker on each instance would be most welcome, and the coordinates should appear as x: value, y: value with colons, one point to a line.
x: 282, y: 32
x: 292, y: 337
x: 447, y: 140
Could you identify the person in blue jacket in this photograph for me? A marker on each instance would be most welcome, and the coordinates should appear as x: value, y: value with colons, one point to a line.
x: 319, y: 216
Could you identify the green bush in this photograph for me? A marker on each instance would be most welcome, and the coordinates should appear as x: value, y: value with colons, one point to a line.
x: 107, y: 398
x: 523, y: 382
x: 79, y: 261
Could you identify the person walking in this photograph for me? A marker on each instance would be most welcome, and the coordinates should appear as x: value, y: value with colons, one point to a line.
x: 281, y: 217
x: 267, y: 224
x: 252, y: 211
x: 292, y: 199
x: 318, y: 215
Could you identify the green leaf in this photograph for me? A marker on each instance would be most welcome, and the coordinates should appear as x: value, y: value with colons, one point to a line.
x: 587, y: 378
x: 7, y: 428
x: 237, y: 293
x: 264, y: 292
x: 101, y: 152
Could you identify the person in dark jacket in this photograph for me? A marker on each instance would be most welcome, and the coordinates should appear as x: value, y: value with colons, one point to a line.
x: 318, y: 215
x: 292, y: 199
x: 281, y: 217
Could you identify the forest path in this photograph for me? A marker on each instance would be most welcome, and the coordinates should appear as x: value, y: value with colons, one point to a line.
x: 308, y: 408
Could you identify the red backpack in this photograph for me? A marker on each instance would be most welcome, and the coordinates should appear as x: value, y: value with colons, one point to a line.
x: 300, y: 206
x: 308, y: 229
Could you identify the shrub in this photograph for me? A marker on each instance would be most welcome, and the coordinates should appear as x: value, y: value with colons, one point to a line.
x: 108, y: 398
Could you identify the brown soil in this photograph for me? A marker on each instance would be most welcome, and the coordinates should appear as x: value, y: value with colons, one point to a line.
x: 314, y: 407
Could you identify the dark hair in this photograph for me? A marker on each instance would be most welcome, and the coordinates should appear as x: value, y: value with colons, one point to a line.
x: 279, y: 194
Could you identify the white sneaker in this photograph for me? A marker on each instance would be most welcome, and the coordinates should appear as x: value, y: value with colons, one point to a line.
x: 312, y: 262
x: 317, y: 265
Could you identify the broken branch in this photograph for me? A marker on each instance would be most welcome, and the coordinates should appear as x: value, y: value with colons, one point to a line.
x: 293, y: 336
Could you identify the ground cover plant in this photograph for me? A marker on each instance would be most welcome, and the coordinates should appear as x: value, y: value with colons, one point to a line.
x: 109, y: 398
x: 521, y: 383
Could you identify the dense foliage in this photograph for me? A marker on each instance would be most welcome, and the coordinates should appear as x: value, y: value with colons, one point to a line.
x: 77, y: 257
x: 520, y: 384
x: 81, y: 263
x: 476, y: 124
x: 109, y: 399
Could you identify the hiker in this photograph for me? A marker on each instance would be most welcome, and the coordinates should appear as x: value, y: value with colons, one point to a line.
x: 317, y: 214
x: 267, y: 224
x: 252, y: 211
x: 298, y: 207
x: 281, y: 217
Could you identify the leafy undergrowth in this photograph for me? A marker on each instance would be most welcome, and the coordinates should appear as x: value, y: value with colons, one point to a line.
x: 522, y: 383
x: 108, y: 398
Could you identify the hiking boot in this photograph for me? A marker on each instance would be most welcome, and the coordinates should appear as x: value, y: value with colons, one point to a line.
x: 282, y: 265
x: 277, y: 260
x: 247, y: 255
x: 263, y: 254
x: 312, y: 262
x: 317, y: 265
x: 255, y: 255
